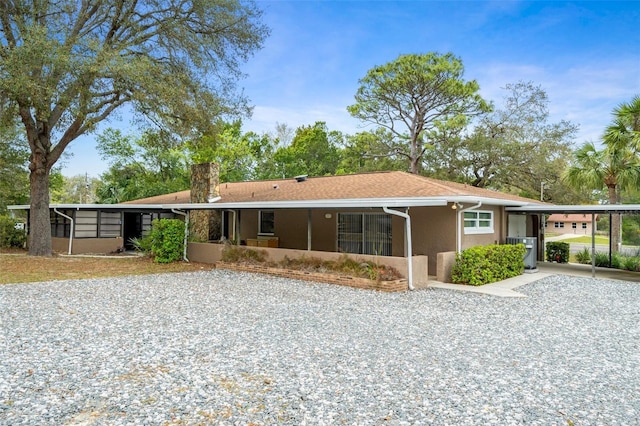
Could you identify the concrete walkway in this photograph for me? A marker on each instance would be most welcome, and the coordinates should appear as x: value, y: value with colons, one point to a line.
x: 506, y: 288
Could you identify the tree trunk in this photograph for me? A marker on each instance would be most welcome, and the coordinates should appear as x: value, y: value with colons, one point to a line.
x: 39, y: 222
x: 615, y: 221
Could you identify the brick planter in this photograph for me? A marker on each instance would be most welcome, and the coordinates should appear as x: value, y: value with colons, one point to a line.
x: 346, y: 280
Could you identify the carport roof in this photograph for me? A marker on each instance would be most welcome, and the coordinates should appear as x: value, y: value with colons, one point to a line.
x: 569, y: 209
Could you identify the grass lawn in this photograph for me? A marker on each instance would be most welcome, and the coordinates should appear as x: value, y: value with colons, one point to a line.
x: 587, y: 240
x: 17, y: 267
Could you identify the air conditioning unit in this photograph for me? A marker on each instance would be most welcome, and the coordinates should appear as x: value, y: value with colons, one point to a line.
x: 530, y: 258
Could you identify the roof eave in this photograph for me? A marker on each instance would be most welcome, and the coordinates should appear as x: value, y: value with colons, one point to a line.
x: 597, y: 208
x: 328, y: 204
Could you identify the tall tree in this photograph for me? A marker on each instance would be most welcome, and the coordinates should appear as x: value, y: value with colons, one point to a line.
x: 613, y: 167
x: 78, y: 189
x: 151, y: 164
x: 624, y: 132
x: 315, y: 150
x: 411, y: 96
x: 514, y: 148
x: 362, y: 153
x: 67, y: 65
x: 237, y: 154
x: 14, y: 174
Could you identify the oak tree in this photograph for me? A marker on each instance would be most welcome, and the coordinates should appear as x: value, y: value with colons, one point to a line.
x: 67, y: 65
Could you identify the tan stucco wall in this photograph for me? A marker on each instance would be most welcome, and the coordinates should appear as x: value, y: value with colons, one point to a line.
x: 204, y: 252
x: 87, y: 245
x: 499, y: 230
x: 446, y: 260
x: 211, y: 253
x: 434, y: 231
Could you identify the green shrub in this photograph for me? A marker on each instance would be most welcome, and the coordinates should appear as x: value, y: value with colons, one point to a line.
x: 167, y: 240
x: 631, y: 264
x: 9, y: 235
x: 602, y: 259
x: 617, y: 260
x: 142, y: 244
x: 584, y: 256
x: 557, y: 251
x: 486, y: 264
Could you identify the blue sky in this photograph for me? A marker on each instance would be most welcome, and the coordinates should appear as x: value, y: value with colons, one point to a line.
x: 586, y: 55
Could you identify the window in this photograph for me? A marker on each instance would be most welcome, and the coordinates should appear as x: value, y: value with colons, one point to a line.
x: 266, y: 224
x: 584, y: 225
x: 574, y: 225
x: 364, y: 233
x: 558, y: 224
x: 86, y: 224
x: 478, y: 222
x: 60, y: 225
x: 110, y: 224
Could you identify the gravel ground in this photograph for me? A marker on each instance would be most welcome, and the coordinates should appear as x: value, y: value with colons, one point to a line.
x: 221, y: 347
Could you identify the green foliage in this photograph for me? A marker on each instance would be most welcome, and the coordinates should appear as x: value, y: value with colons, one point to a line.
x: 67, y: 66
x: 602, y: 259
x: 617, y: 260
x: 14, y: 175
x: 512, y: 149
x: 362, y: 153
x: 79, y: 189
x: 314, y: 151
x: 630, y: 230
x: 142, y: 244
x: 584, y: 256
x: 240, y: 156
x: 557, y: 251
x: 421, y: 91
x: 167, y: 240
x: 144, y: 166
x: 486, y: 264
x: 631, y: 263
x: 9, y: 235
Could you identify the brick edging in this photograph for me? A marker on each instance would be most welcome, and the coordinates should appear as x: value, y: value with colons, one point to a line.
x: 346, y: 280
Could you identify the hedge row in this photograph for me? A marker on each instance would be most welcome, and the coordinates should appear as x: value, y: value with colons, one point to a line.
x: 487, y: 264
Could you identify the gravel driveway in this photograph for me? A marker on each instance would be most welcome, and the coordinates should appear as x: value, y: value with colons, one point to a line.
x: 221, y: 347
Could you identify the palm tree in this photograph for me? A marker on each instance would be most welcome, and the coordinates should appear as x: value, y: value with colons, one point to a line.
x: 614, y: 167
x: 625, y: 130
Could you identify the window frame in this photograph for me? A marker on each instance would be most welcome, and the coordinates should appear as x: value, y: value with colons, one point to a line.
x: 476, y: 228
x: 363, y: 242
x: 261, y: 221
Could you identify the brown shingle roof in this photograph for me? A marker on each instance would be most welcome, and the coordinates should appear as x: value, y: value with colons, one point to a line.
x: 392, y: 184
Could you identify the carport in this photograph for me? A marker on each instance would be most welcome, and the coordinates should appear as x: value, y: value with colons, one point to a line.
x: 610, y: 209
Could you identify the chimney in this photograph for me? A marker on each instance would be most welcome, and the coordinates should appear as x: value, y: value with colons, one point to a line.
x: 205, y: 182
x: 205, y: 185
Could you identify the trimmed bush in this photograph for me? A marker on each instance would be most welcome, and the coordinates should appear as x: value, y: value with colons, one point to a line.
x: 557, y: 251
x: 167, y: 240
x: 9, y: 235
x: 487, y: 264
